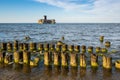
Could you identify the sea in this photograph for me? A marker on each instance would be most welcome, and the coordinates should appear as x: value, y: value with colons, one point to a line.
x: 74, y: 34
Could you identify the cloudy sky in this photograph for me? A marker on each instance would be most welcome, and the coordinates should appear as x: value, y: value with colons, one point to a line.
x: 67, y: 11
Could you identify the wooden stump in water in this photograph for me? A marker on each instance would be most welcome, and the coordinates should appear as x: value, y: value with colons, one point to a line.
x: 32, y: 46
x: 94, y: 60
x: 117, y: 64
x: 107, y: 62
x: 107, y: 44
x: 64, y: 48
x: 46, y: 47
x: 57, y: 59
x: 73, y: 59
x: 9, y: 47
x: 40, y: 47
x: 83, y: 49
x: 77, y: 48
x: 101, y: 38
x: 2, y: 55
x: 71, y: 48
x: 16, y: 57
x: 46, y: 59
x: 83, y: 63
x: 20, y: 46
x: 64, y: 59
x: 98, y: 49
x: 3, y: 46
x: 104, y: 50
x: 15, y: 45
x: 58, y: 48
x: 90, y: 49
x: 26, y: 57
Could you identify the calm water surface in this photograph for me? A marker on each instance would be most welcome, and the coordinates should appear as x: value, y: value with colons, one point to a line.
x: 77, y: 34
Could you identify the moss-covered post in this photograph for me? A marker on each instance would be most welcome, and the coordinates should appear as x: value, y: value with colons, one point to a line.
x: 94, y: 60
x: 40, y: 47
x: 104, y: 50
x: 117, y: 64
x: 101, y: 38
x: 15, y: 45
x: 64, y: 48
x: 16, y: 57
x: 90, y: 49
x: 3, y: 46
x: 98, y: 50
x: 77, y: 48
x: 107, y: 44
x: 83, y: 49
x: 26, y: 57
x: 64, y: 59
x: 107, y: 62
x: 20, y: 46
x: 2, y: 54
x: 46, y: 59
x: 25, y: 46
x: 9, y: 47
x: 57, y: 59
x: 71, y: 48
x: 83, y: 63
x: 46, y: 47
x: 58, y: 48
x: 73, y: 59
x: 52, y: 47
x: 32, y: 46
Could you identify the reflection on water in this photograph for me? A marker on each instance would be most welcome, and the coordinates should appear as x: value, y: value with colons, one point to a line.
x: 25, y: 72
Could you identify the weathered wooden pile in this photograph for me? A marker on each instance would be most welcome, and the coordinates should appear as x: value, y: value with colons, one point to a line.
x: 59, y: 54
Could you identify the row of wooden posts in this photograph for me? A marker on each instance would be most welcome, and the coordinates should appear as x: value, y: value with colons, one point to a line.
x: 58, y: 54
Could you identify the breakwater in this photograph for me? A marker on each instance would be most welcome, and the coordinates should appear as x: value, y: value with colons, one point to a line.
x: 58, y: 54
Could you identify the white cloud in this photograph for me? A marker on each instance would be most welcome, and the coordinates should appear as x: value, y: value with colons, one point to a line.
x: 66, y: 4
x: 106, y: 10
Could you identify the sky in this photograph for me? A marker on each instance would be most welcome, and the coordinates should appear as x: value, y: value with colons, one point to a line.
x: 63, y: 11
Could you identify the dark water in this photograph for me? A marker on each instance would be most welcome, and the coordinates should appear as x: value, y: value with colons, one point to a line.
x: 81, y: 34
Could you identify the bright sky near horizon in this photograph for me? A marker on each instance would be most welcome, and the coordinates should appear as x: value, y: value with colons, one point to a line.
x: 67, y: 11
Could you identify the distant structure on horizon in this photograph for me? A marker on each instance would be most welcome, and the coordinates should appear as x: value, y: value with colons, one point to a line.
x: 46, y: 21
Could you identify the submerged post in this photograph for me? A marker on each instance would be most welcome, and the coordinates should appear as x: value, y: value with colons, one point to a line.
x: 57, y: 59
x: 90, y: 49
x: 83, y: 61
x: 73, y: 59
x: 94, y: 60
x: 64, y: 59
x: 107, y: 62
x: 26, y: 57
x: 101, y: 38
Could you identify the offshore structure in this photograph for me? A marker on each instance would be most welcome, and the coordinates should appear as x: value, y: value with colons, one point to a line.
x: 46, y: 21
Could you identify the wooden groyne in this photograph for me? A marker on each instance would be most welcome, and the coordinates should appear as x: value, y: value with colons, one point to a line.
x: 58, y: 54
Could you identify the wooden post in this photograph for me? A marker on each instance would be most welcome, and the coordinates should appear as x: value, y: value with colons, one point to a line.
x: 2, y: 55
x: 9, y: 47
x: 107, y: 44
x: 15, y: 45
x: 90, y: 49
x: 26, y: 57
x: 57, y: 59
x: 71, y: 48
x: 101, y: 38
x: 117, y: 64
x: 107, y: 62
x: 25, y: 46
x: 94, y: 60
x: 64, y: 59
x: 46, y: 47
x: 40, y: 47
x: 64, y: 48
x: 20, y: 46
x: 73, y: 60
x: 32, y: 46
x: 77, y: 48
x: 104, y: 50
x: 52, y: 47
x: 98, y: 49
x: 58, y: 48
x: 16, y: 57
x: 3, y: 46
x: 83, y: 48
x: 46, y: 59
x: 83, y: 63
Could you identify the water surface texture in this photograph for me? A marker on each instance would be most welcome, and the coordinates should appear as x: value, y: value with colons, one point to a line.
x: 78, y: 34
